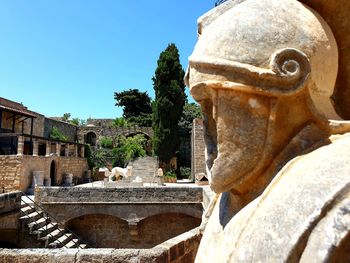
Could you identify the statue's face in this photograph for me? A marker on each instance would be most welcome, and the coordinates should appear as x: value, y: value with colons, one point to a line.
x: 236, y: 125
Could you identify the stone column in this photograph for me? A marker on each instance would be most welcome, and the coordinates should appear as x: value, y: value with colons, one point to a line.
x: 48, y: 149
x: 20, y: 145
x: 82, y: 151
x: 76, y: 148
x: 35, y: 147
x: 66, y: 150
x: 58, y: 149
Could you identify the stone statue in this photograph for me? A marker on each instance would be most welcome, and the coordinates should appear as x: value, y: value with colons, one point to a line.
x: 277, y: 153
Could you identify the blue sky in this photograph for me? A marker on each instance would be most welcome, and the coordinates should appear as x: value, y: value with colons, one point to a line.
x: 72, y: 55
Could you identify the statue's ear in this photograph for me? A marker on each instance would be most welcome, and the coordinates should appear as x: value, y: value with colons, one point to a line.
x: 211, y: 15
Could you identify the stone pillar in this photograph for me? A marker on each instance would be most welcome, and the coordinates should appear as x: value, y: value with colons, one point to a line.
x: 66, y: 150
x: 76, y: 148
x: 58, y: 149
x: 48, y: 149
x: 35, y: 147
x: 20, y: 145
x: 134, y: 231
x: 82, y: 151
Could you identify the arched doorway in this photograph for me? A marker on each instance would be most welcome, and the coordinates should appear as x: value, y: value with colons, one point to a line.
x: 90, y: 138
x: 53, y: 173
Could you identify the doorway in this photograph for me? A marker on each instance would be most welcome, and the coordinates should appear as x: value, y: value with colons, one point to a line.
x: 53, y: 173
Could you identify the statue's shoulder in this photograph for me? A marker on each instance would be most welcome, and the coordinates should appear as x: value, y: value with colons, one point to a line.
x: 305, y: 211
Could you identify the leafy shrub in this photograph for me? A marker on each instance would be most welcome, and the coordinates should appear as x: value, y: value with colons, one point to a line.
x: 128, y: 149
x: 57, y: 135
x: 185, y: 172
x: 170, y: 173
x: 101, y: 157
x: 106, y: 142
x: 120, y: 122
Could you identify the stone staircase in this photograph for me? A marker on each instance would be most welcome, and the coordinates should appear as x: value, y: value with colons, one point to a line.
x: 145, y: 168
x: 48, y: 233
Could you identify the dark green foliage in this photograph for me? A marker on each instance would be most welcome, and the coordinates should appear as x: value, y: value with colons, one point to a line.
x: 185, y: 172
x: 101, y: 157
x: 57, y: 135
x: 106, y: 142
x: 170, y: 98
x: 190, y: 112
x: 137, y: 106
x: 88, y: 156
x: 143, y: 120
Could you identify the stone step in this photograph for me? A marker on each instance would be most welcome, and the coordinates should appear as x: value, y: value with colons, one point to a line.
x: 26, y: 209
x: 52, y: 236
x: 38, y: 224
x: 60, y: 242
x: 74, y: 243
x: 46, y: 229
x: 82, y: 246
x: 34, y: 216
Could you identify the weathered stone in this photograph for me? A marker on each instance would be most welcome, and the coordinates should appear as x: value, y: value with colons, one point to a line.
x: 263, y: 72
x: 336, y: 13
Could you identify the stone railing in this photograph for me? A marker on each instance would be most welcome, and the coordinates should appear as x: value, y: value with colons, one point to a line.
x: 180, y: 249
x: 119, y: 195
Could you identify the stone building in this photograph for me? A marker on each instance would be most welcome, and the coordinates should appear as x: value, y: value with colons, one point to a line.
x: 198, y: 170
x: 26, y: 146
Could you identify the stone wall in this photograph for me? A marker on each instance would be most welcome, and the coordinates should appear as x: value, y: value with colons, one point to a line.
x: 74, y: 165
x: 181, y: 249
x: 106, y: 231
x: 163, y: 194
x: 10, y: 172
x: 159, y: 228
x: 67, y: 129
x: 16, y: 171
x: 10, y: 204
x: 198, y: 149
x: 112, y: 132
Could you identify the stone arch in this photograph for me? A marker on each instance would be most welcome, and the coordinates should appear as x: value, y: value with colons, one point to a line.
x: 158, y: 228
x: 90, y: 138
x: 101, y: 230
x: 133, y: 133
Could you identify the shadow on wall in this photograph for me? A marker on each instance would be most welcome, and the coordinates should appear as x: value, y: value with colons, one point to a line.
x: 106, y: 231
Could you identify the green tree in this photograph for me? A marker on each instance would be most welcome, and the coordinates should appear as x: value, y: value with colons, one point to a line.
x: 66, y: 116
x: 136, y: 105
x: 170, y: 98
x: 75, y: 121
x: 120, y: 122
x: 189, y: 113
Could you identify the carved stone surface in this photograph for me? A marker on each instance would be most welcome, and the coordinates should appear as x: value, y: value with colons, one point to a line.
x: 263, y: 72
x: 336, y: 13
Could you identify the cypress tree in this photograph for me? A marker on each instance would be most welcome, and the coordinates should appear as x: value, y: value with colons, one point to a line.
x: 169, y: 100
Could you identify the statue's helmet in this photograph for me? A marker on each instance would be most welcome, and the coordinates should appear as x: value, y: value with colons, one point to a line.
x: 273, y: 47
